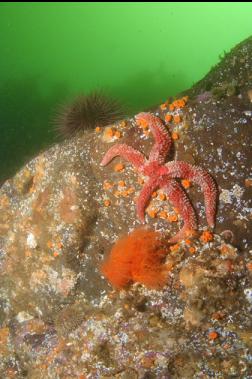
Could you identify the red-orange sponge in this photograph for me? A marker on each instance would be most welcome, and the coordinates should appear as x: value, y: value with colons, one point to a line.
x: 137, y: 257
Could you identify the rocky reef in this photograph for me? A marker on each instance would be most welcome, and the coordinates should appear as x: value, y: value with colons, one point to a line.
x: 62, y: 213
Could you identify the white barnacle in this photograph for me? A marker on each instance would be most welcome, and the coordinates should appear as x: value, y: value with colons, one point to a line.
x: 31, y: 241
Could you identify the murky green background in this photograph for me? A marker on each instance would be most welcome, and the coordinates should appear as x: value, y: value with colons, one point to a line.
x: 139, y: 52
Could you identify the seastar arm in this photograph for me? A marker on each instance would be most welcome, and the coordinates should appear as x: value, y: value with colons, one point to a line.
x: 145, y: 196
x: 179, y: 200
x: 161, y: 135
x: 136, y: 158
x: 180, y: 169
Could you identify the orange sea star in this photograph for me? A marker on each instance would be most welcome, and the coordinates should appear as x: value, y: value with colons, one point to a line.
x: 163, y: 175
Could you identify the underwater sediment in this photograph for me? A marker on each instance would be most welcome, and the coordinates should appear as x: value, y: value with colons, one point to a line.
x: 62, y: 214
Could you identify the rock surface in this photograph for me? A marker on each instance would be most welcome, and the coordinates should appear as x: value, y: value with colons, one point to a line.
x: 60, y: 214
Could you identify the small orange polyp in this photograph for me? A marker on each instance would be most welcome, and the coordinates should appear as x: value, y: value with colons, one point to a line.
x: 177, y: 119
x: 121, y: 183
x: 168, y: 117
x: 175, y: 136
x: 119, y: 167
x: 109, y: 132
x: 107, y: 203
x: 213, y: 335
x: 186, y: 183
x: 152, y: 213
x: 249, y: 266
x: 192, y: 249
x: 172, y: 218
x: 206, y: 236
x: 163, y: 214
x: 140, y: 181
x: 162, y: 196
x: 130, y: 190
x: 118, y: 134
x: 107, y: 185
x: 142, y: 123
x: 49, y: 244
x: 174, y: 247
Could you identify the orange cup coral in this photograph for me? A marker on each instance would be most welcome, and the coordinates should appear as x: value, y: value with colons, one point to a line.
x: 137, y: 257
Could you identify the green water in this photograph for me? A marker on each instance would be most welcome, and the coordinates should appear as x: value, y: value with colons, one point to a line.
x: 138, y: 52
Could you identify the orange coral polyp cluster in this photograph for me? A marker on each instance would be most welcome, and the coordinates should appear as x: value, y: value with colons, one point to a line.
x: 137, y: 257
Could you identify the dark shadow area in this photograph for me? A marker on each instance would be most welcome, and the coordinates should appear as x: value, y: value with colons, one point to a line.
x: 25, y: 122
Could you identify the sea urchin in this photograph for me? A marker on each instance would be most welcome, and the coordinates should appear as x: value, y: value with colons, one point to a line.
x: 87, y: 112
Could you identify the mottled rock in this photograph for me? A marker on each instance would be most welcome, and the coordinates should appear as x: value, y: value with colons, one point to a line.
x: 62, y: 212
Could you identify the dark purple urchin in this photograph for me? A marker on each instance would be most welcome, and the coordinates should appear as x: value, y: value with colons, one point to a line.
x: 87, y: 112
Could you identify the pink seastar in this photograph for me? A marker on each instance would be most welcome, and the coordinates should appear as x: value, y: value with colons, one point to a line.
x: 163, y: 175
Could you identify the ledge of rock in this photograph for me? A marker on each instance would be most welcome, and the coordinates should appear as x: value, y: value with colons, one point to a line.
x: 61, y: 214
